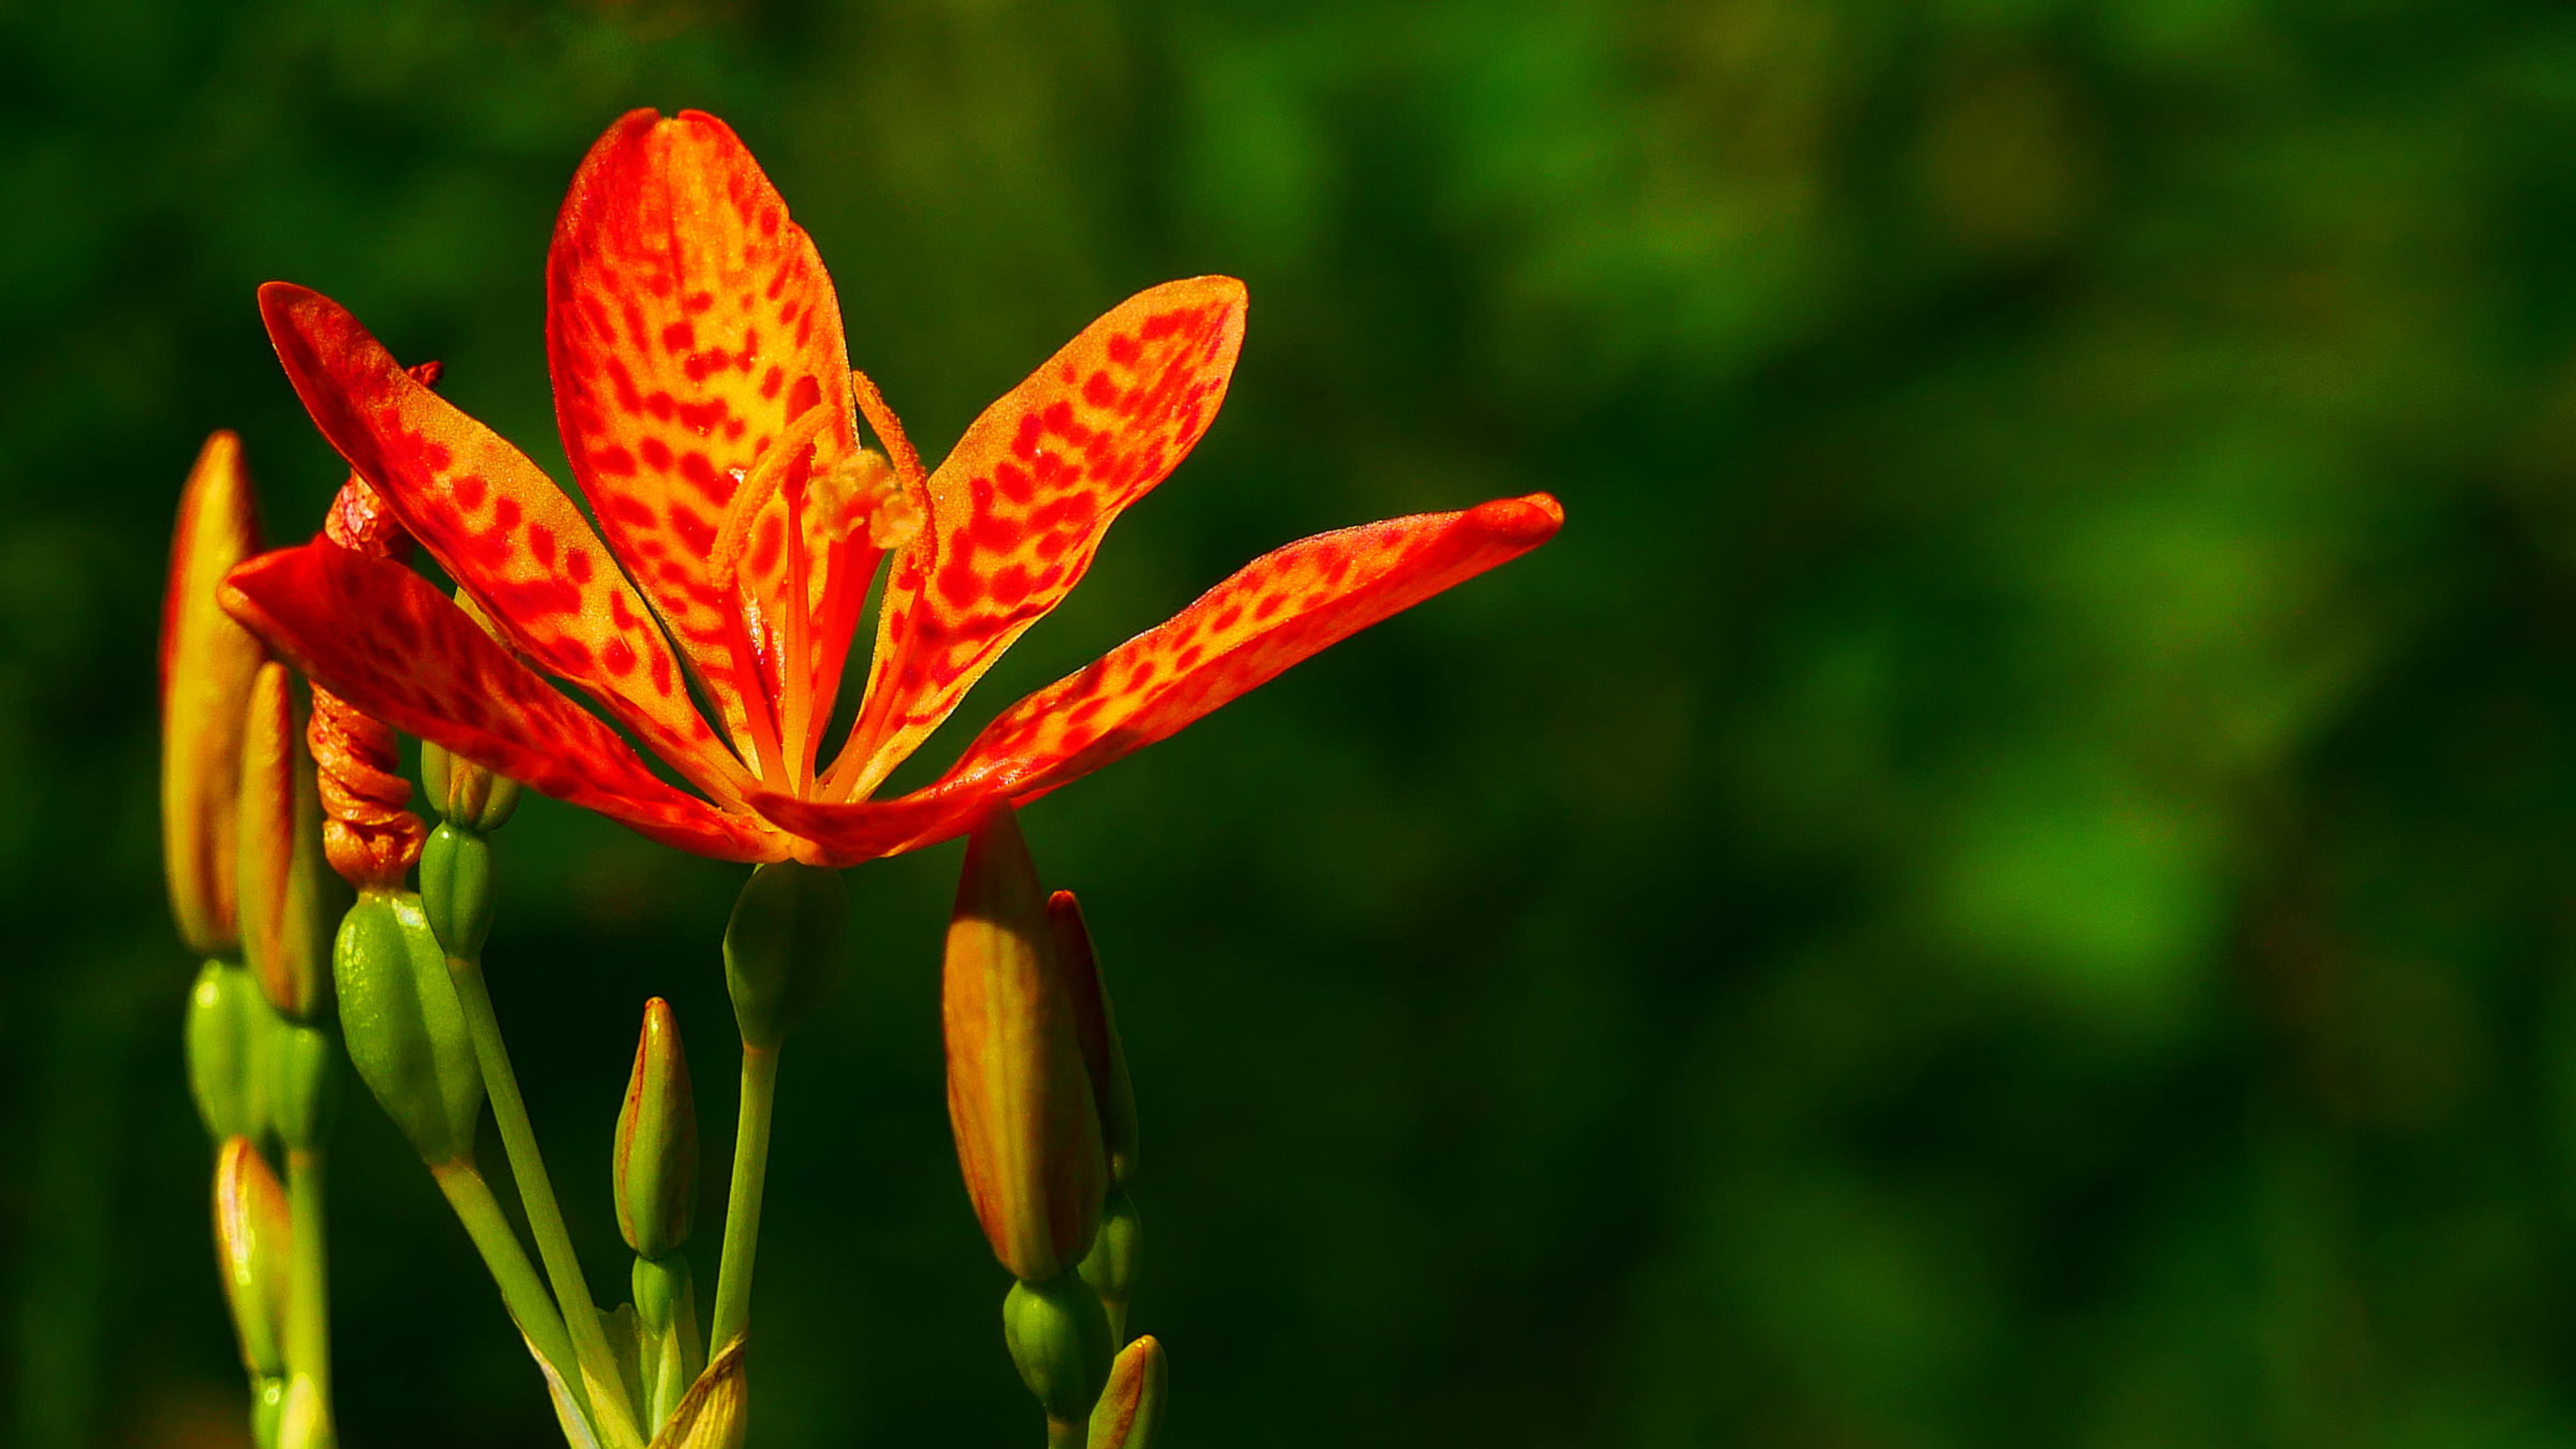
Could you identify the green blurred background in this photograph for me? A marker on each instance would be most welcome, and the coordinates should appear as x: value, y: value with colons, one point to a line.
x: 2004, y: 882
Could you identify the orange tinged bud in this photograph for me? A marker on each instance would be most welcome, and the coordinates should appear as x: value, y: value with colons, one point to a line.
x: 252, y: 1249
x: 1019, y: 1098
x: 207, y: 662
x: 657, y: 1141
x: 1131, y: 1408
x: 284, y: 906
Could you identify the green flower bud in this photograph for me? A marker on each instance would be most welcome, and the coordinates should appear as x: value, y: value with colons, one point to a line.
x: 1059, y: 1338
x: 456, y: 889
x: 465, y: 792
x: 404, y: 1028
x: 1131, y: 1408
x: 1110, y: 1268
x: 297, y: 1061
x: 656, y: 1157
x: 782, y: 948
x: 1019, y: 1098
x: 287, y: 897
x: 223, y: 1010
x: 254, y: 1249
x: 1096, y: 1027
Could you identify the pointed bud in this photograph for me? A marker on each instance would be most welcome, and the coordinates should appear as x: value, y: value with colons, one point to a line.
x: 287, y: 899
x: 254, y: 1252
x: 207, y: 662
x: 1110, y: 1268
x: 657, y: 1141
x: 464, y: 792
x: 782, y: 947
x: 1131, y: 1408
x: 1019, y: 1099
x: 1095, y: 1025
x: 224, y: 1010
x: 404, y: 1028
x: 1059, y: 1339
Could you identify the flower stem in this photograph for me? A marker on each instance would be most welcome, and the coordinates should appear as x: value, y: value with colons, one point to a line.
x: 537, y: 1195
x: 308, y: 1313
x: 523, y: 1293
x: 1063, y: 1435
x: 742, y: 1204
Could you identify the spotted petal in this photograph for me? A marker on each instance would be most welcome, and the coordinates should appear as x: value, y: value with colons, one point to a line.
x: 387, y: 641
x: 510, y: 538
x: 1279, y: 609
x: 689, y: 323
x: 1017, y: 511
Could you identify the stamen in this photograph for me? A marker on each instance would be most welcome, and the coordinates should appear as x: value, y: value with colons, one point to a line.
x: 755, y: 490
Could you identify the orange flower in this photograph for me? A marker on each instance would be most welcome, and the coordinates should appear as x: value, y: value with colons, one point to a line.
x: 712, y: 421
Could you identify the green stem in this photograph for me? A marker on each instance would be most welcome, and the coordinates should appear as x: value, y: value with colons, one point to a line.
x: 308, y: 1311
x: 742, y: 1204
x: 1061, y: 1435
x: 523, y: 1293
x: 537, y: 1195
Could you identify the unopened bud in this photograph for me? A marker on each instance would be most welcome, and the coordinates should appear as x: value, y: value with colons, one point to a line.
x: 1131, y: 1408
x: 286, y: 895
x: 456, y: 889
x: 656, y: 1164
x: 1059, y: 1339
x: 1096, y: 1027
x: 253, y: 1249
x: 297, y: 1061
x: 1019, y: 1097
x: 306, y: 1421
x: 1110, y: 1267
x: 464, y: 792
x: 782, y: 947
x: 224, y: 1011
x: 207, y: 662
x: 404, y: 1028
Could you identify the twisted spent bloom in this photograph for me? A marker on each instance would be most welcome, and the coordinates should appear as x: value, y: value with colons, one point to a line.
x: 368, y: 834
x: 713, y: 423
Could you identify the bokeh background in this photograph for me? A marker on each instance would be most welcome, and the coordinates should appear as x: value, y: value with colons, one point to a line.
x: 2004, y: 882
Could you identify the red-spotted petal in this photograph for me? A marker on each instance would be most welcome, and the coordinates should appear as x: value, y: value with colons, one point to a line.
x: 513, y: 541
x: 1017, y: 511
x: 1281, y: 608
x: 844, y: 834
x: 385, y: 640
x: 689, y: 323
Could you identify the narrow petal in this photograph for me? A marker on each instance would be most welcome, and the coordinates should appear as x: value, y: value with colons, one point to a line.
x: 844, y: 834
x: 688, y: 324
x: 1019, y: 508
x: 511, y: 539
x: 1281, y: 608
x: 207, y: 662
x: 387, y: 641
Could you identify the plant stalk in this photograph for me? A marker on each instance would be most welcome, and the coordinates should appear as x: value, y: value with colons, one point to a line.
x: 742, y: 1202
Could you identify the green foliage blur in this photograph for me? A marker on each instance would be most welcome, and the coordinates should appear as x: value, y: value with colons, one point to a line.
x: 2005, y: 881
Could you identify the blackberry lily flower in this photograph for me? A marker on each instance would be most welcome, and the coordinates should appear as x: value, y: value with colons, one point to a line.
x: 711, y: 416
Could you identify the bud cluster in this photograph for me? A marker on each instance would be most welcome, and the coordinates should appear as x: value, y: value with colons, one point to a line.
x: 1045, y: 1119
